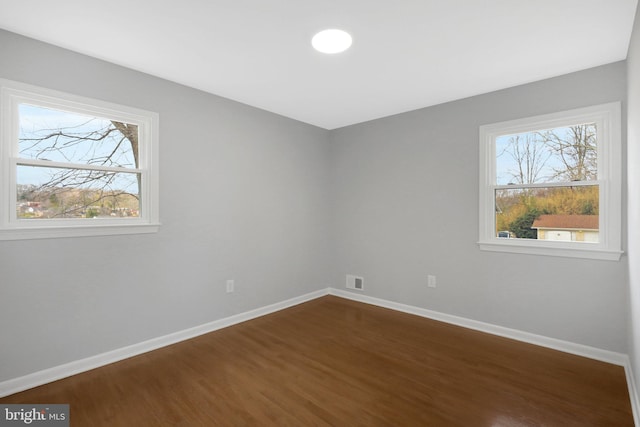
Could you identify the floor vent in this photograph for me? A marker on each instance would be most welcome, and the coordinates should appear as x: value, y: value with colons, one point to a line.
x: 355, y: 282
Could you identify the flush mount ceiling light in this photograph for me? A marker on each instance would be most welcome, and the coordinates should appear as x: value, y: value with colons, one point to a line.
x: 331, y: 41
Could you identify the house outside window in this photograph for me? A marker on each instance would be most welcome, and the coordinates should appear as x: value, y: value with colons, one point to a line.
x: 567, y: 228
x: 551, y: 185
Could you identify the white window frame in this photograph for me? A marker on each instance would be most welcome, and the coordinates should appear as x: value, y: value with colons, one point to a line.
x: 11, y: 228
x: 609, y: 156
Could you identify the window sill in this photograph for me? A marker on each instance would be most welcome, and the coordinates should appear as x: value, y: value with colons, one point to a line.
x: 76, y: 231
x: 575, y: 251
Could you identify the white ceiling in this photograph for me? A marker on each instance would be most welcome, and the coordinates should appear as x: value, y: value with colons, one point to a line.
x: 406, y: 54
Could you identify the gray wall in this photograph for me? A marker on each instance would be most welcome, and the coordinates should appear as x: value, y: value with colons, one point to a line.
x: 285, y: 208
x: 633, y: 73
x: 405, y: 204
x: 243, y: 196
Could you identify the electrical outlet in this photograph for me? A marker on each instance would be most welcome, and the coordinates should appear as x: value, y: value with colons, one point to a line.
x: 230, y: 286
x: 431, y: 281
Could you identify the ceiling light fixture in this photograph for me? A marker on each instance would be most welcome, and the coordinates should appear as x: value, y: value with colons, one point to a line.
x: 331, y: 41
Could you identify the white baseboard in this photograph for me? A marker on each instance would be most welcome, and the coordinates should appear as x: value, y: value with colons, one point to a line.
x: 58, y: 372
x: 62, y: 371
x: 633, y: 392
x: 556, y: 344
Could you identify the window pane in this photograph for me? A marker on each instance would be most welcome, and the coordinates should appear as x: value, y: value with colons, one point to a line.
x: 556, y: 213
x: 60, y: 136
x: 73, y: 193
x: 555, y: 155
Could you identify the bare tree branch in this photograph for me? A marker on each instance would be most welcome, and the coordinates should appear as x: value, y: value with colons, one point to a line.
x: 81, y: 143
x: 530, y: 156
x: 576, y: 150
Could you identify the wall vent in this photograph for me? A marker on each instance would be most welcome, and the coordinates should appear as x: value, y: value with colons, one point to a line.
x: 355, y: 282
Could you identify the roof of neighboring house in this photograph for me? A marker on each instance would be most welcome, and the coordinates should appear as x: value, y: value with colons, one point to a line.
x: 580, y: 222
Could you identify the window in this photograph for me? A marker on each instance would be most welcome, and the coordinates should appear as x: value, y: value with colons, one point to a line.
x: 73, y: 166
x: 551, y: 185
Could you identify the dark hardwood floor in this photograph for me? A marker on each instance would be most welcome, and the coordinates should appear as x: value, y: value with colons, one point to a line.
x: 335, y: 362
